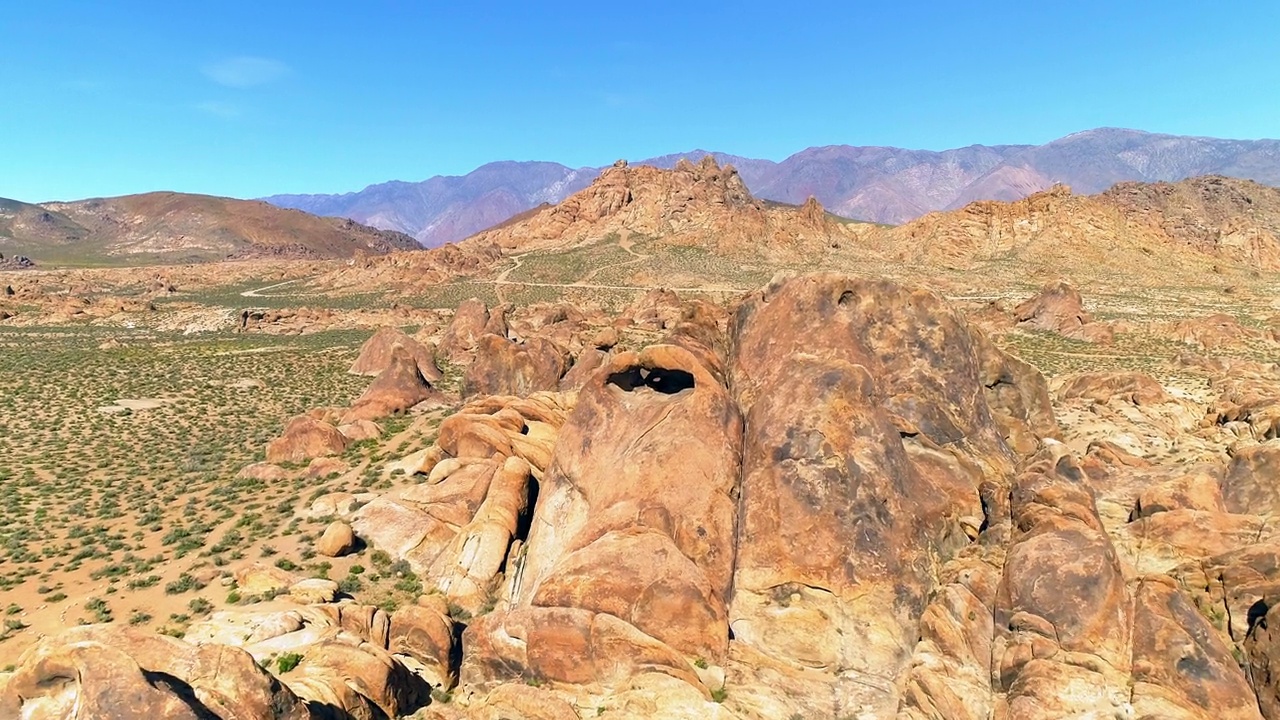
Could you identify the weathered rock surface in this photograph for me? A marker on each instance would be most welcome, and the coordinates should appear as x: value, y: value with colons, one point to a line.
x: 464, y: 330
x: 102, y: 671
x: 400, y: 386
x: 868, y: 435
x: 337, y: 539
x: 1057, y: 307
x: 376, y: 354
x: 305, y: 438
x: 838, y: 498
x: 507, y: 367
x: 635, y: 569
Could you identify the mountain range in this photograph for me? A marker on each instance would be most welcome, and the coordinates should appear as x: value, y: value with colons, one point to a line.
x: 168, y: 227
x: 878, y: 184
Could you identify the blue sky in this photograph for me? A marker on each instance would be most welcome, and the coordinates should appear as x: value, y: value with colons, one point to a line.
x: 252, y: 98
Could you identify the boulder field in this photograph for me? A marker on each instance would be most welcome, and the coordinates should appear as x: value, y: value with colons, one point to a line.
x: 833, y: 498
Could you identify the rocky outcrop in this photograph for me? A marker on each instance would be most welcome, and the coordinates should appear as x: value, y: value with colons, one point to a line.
x: 1062, y: 612
x: 458, y: 529
x: 463, y: 332
x: 102, y: 671
x: 703, y: 203
x: 1212, y: 332
x: 507, y: 367
x: 1059, y: 308
x: 1131, y: 387
x: 836, y: 498
x: 376, y: 354
x: 635, y: 569
x: 867, y: 397
x: 305, y: 438
x: 399, y: 387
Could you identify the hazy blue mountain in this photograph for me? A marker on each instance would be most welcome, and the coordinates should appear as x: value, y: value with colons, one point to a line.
x: 881, y: 184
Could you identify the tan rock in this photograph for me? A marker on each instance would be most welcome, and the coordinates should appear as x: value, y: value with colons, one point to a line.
x: 1251, y: 483
x: 111, y: 672
x: 522, y: 701
x: 242, y: 628
x: 337, y: 540
x: 397, y: 388
x: 305, y: 438
x: 313, y: 591
x: 357, y: 678
x: 867, y: 424
x: 263, y: 471
x: 467, y: 571
x: 261, y: 579
x: 338, y: 503
x: 505, y: 367
x: 375, y: 354
x: 1062, y: 614
x: 1058, y: 307
x: 424, y: 632
x: 621, y: 555
x: 1264, y: 661
x: 324, y: 467
x: 464, y: 330
x: 361, y: 430
x: 1181, y: 668
x: 1131, y: 387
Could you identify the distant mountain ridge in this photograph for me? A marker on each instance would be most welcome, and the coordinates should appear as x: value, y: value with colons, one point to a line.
x: 169, y: 227
x: 878, y: 184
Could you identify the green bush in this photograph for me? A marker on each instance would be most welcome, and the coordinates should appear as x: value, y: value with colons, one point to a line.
x: 288, y: 661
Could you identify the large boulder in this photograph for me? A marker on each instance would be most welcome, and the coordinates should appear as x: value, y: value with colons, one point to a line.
x: 425, y: 633
x: 629, y: 562
x: 507, y: 367
x: 1063, y: 616
x: 1132, y: 387
x: 305, y: 438
x: 1181, y: 667
x: 376, y: 354
x: 397, y: 388
x: 356, y: 677
x: 120, y: 673
x: 868, y: 435
x: 337, y: 539
x: 1057, y: 307
x: 1251, y: 483
x: 463, y: 332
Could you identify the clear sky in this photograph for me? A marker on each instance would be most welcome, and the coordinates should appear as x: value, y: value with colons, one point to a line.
x: 247, y: 98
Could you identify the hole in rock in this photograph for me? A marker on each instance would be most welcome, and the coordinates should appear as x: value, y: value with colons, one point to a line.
x: 524, y: 523
x: 662, y: 380
x: 1258, y: 614
x: 846, y: 298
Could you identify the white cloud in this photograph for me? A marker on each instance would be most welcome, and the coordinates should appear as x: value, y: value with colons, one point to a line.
x: 220, y: 109
x: 245, y: 71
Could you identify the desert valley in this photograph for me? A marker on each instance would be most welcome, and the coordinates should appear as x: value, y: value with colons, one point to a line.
x: 660, y: 449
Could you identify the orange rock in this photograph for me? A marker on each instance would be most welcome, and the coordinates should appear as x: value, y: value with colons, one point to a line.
x: 305, y: 438
x: 506, y: 367
x: 104, y: 671
x: 396, y: 389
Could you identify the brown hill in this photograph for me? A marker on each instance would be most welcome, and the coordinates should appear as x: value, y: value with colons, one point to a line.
x: 179, y: 227
x: 1191, y: 226
x: 704, y: 204
x: 1238, y: 219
